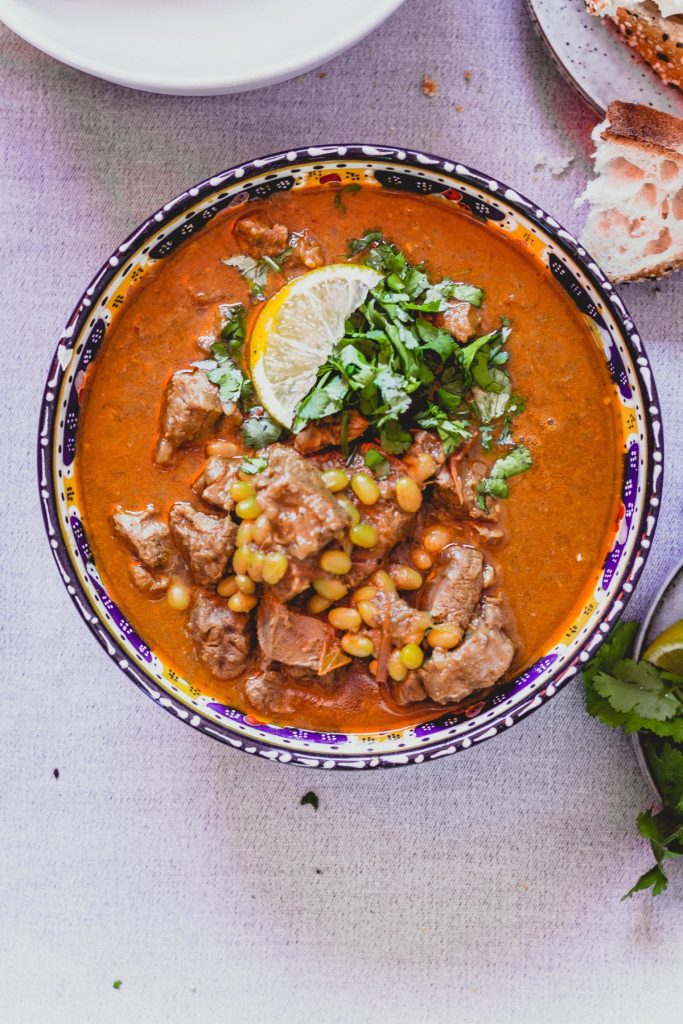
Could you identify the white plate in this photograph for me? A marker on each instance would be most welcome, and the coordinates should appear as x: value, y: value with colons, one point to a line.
x: 200, y: 47
x: 591, y: 55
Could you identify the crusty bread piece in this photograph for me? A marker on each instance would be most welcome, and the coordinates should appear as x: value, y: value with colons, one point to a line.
x: 635, y: 225
x: 655, y: 30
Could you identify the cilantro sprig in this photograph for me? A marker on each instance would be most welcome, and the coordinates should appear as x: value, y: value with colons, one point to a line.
x: 636, y: 696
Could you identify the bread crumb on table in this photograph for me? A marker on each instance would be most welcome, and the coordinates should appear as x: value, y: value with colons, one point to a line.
x: 459, y: 107
x: 429, y: 86
x: 557, y: 165
x: 467, y: 75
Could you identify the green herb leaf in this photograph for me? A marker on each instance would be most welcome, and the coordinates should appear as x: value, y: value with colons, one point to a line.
x: 377, y: 462
x: 468, y: 293
x: 258, y: 431
x: 253, y: 464
x: 654, y: 879
x: 518, y: 460
x: 636, y: 687
x: 310, y: 798
x: 666, y: 764
x: 117, y: 984
x: 356, y: 245
x: 254, y: 272
x: 395, y: 440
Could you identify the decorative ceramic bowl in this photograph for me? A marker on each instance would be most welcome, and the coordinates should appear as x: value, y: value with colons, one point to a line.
x: 503, y: 211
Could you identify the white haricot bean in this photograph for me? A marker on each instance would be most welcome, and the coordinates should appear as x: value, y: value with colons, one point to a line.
x: 436, y: 538
x: 178, y: 596
x: 404, y: 577
x: 408, y: 494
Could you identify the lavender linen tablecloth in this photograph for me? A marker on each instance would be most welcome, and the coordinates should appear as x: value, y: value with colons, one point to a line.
x: 481, y: 888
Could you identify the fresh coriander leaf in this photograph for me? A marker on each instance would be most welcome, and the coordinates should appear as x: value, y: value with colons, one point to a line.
x: 491, y: 405
x: 516, y: 405
x: 636, y: 687
x: 434, y: 339
x: 258, y: 431
x: 254, y: 272
x: 518, y: 460
x: 356, y: 245
x: 339, y: 194
x: 233, y: 322
x: 377, y: 462
x: 117, y: 984
x: 468, y: 293
x: 395, y: 439
x: 666, y: 764
x: 254, y: 464
x: 310, y: 798
x: 654, y: 879
x: 616, y: 647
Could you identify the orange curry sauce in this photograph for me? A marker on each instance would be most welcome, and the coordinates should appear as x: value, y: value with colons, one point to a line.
x: 560, y: 516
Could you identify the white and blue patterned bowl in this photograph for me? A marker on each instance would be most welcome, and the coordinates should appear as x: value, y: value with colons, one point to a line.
x: 503, y: 210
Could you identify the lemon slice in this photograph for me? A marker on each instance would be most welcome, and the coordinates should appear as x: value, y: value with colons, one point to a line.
x: 297, y: 329
x: 667, y: 650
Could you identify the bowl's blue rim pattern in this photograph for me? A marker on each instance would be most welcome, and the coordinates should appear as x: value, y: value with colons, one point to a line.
x: 411, y: 159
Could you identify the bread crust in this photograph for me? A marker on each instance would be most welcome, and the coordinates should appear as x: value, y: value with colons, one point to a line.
x: 645, y: 127
x: 657, y: 270
x: 658, y: 40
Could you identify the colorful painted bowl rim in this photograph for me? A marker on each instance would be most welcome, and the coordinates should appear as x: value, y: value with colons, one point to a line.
x: 480, y: 193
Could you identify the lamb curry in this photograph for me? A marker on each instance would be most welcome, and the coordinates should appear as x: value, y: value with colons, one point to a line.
x: 424, y: 517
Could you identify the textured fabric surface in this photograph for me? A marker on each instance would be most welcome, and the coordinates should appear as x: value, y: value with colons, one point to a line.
x: 483, y: 888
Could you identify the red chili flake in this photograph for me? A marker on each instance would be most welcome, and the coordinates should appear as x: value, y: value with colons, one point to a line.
x: 330, y: 177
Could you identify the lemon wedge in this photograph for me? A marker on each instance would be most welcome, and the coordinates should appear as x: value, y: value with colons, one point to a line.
x: 297, y: 329
x: 667, y: 650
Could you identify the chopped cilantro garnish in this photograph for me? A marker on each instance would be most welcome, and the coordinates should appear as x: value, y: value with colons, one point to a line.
x: 254, y: 464
x: 222, y: 370
x: 518, y: 460
x: 255, y: 272
x: 117, y: 984
x: 356, y: 245
x: 393, y: 353
x: 377, y: 462
x: 468, y: 293
x: 339, y: 194
x: 233, y: 323
x: 310, y: 798
x: 258, y: 431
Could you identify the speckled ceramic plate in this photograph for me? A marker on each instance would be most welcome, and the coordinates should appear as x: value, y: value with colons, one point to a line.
x: 590, y: 54
x: 502, y: 211
x: 666, y: 608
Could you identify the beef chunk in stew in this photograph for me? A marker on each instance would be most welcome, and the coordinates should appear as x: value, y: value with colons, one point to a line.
x: 307, y: 249
x: 304, y: 515
x: 207, y: 542
x: 192, y: 407
x: 257, y: 237
x: 460, y: 319
x: 218, y: 476
x: 145, y: 535
x: 152, y: 583
x: 266, y: 691
x: 478, y: 662
x: 405, y: 625
x: 291, y: 637
x: 327, y: 434
x: 409, y: 691
x: 221, y: 637
x: 454, y: 587
x: 455, y: 489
